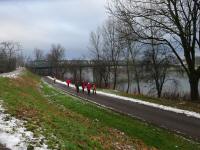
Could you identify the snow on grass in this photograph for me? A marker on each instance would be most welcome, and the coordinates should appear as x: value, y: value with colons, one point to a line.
x: 162, y: 107
x: 13, y: 134
x: 13, y: 74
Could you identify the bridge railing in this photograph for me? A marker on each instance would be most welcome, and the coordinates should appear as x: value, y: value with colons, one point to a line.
x: 77, y: 63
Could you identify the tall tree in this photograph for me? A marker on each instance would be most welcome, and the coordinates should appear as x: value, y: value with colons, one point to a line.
x: 112, y: 46
x: 157, y: 61
x: 38, y: 53
x: 55, y: 55
x: 96, y: 54
x: 178, y: 22
x: 132, y: 50
x: 8, y: 54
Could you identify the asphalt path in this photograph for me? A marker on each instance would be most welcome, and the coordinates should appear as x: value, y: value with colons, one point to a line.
x: 175, y: 122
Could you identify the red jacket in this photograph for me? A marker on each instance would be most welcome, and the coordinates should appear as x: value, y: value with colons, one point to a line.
x: 83, y: 85
x: 89, y: 86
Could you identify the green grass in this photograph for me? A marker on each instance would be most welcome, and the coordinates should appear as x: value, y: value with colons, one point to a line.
x: 151, y: 135
x: 65, y: 129
x: 182, y: 104
x: 77, y: 124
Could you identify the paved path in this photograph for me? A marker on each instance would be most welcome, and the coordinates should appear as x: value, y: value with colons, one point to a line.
x: 180, y: 123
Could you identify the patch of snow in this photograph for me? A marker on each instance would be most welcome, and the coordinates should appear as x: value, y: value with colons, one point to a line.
x: 61, y: 82
x: 13, y: 134
x: 162, y: 107
x: 13, y: 74
x: 167, y: 108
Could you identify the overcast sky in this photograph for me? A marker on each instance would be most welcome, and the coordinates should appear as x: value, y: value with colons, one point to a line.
x: 40, y: 23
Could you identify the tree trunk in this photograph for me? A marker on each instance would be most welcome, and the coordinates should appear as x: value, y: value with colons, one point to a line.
x: 158, y: 88
x: 115, y: 79
x: 106, y: 82
x: 159, y: 93
x: 138, y: 86
x: 80, y: 74
x: 128, y: 76
x: 75, y: 76
x: 100, y: 80
x: 137, y: 81
x: 194, y: 92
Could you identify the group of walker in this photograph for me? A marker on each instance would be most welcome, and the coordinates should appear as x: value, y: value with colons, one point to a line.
x: 85, y: 85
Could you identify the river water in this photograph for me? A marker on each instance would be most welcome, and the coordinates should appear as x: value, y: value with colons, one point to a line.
x: 176, y: 83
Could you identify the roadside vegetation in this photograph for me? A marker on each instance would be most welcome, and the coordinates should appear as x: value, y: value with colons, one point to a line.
x: 69, y: 123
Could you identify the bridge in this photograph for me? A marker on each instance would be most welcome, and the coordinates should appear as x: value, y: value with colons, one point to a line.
x: 44, y: 67
x: 44, y: 64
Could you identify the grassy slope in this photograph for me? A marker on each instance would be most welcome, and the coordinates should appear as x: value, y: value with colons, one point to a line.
x: 25, y: 99
x: 151, y: 135
x: 186, y: 105
x: 79, y: 125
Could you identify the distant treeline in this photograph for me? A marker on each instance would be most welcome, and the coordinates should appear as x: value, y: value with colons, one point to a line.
x: 160, y: 33
x: 8, y: 56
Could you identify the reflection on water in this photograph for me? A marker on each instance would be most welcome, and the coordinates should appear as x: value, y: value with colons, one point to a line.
x: 176, y: 83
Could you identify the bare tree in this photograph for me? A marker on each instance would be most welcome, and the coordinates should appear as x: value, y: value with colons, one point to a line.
x: 97, y: 56
x: 55, y: 55
x: 20, y: 59
x: 132, y: 52
x: 100, y: 46
x: 157, y: 61
x: 112, y: 46
x: 136, y: 63
x: 96, y: 43
x: 38, y: 53
x: 177, y: 20
x: 8, y: 54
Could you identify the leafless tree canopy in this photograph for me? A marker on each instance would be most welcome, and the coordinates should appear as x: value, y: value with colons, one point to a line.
x: 157, y: 61
x: 55, y: 55
x: 177, y: 23
x: 38, y: 53
x: 105, y: 48
x: 8, y: 56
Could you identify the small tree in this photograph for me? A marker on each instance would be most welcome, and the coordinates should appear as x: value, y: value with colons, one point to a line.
x: 157, y: 60
x: 112, y: 46
x: 38, y: 53
x: 97, y: 55
x: 131, y: 50
x: 8, y: 54
x: 55, y: 55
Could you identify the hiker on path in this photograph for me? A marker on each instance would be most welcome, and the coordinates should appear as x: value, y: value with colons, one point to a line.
x: 68, y: 82
x: 94, y: 88
x: 83, y: 86
x: 89, y: 88
x: 77, y: 86
x: 54, y: 79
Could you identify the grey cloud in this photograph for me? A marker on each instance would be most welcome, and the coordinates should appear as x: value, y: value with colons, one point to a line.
x: 41, y: 23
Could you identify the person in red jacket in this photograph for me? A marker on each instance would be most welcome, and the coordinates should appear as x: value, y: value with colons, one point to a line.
x: 83, y: 86
x: 89, y: 88
x: 68, y: 82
